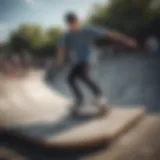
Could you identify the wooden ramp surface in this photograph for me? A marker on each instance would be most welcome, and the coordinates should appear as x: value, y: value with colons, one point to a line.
x: 35, y: 112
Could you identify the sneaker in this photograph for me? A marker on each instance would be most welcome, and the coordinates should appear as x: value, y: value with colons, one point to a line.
x: 101, y: 101
x: 75, y: 108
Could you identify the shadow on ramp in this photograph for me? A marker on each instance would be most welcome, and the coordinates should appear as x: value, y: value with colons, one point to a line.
x: 33, y: 151
x: 43, y: 131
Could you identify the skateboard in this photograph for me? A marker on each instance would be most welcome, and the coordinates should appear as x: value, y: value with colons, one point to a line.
x: 90, y: 111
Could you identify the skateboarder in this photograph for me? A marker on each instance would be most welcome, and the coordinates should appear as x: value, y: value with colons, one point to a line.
x: 78, y: 40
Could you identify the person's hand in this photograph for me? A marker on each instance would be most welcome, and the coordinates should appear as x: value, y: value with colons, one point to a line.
x: 60, y: 58
x: 132, y: 43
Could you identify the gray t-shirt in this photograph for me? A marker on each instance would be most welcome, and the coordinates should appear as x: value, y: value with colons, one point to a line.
x: 80, y: 44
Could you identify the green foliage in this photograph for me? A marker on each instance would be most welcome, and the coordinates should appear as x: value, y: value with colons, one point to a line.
x: 99, y: 15
x: 127, y: 16
x: 34, y: 34
x: 18, y: 42
x: 3, y: 50
x: 130, y: 15
x: 53, y: 35
x: 35, y: 39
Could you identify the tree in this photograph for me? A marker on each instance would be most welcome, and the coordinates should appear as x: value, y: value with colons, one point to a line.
x: 53, y: 35
x: 4, y: 49
x: 128, y: 16
x: 99, y: 15
x: 18, y: 42
x: 28, y: 36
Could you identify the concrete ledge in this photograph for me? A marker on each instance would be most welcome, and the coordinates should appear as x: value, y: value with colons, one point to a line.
x: 91, y: 133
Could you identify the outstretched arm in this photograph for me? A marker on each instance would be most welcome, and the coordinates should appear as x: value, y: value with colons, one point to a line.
x: 115, y: 37
x: 118, y: 37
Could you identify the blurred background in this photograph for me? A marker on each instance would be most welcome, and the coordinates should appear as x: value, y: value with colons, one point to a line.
x: 30, y: 31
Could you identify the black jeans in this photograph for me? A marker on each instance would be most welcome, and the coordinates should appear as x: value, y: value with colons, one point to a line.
x: 81, y: 71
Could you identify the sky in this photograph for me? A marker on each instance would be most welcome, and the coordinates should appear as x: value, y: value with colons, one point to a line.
x: 45, y: 12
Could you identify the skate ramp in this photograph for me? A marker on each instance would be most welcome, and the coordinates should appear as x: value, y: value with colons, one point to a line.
x: 126, y: 80
x: 38, y: 114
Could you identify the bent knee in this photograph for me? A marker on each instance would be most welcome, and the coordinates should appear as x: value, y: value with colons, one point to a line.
x: 71, y: 79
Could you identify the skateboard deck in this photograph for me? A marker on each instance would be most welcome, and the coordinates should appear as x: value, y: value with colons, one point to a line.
x: 90, y: 111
